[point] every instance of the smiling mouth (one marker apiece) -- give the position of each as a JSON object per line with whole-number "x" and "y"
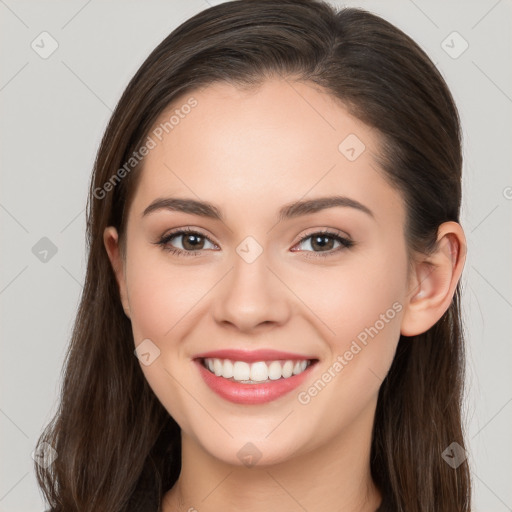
{"x": 258, "y": 372}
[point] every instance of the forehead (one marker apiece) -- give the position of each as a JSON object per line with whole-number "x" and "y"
{"x": 261, "y": 148}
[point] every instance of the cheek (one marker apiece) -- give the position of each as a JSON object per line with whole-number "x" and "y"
{"x": 161, "y": 297}
{"x": 358, "y": 312}
{"x": 160, "y": 294}
{"x": 354, "y": 294}
{"x": 357, "y": 308}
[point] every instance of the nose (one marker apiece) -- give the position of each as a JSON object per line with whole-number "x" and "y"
{"x": 252, "y": 297}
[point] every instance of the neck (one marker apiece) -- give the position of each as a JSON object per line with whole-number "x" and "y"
{"x": 335, "y": 476}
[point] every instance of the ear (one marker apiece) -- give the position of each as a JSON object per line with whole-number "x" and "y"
{"x": 111, "y": 241}
{"x": 433, "y": 281}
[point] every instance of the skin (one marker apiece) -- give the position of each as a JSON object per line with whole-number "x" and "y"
{"x": 250, "y": 153}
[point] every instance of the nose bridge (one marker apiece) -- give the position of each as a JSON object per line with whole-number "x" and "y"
{"x": 251, "y": 294}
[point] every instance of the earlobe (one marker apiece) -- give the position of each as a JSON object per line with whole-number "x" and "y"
{"x": 434, "y": 281}
{"x": 111, "y": 242}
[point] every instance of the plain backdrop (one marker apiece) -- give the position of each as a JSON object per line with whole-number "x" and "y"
{"x": 54, "y": 109}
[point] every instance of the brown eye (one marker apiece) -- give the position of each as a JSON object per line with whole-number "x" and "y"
{"x": 324, "y": 242}
{"x": 191, "y": 242}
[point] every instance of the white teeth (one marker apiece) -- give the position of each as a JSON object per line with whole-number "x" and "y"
{"x": 227, "y": 369}
{"x": 255, "y": 372}
{"x": 217, "y": 367}
{"x": 241, "y": 370}
{"x": 287, "y": 369}
{"x": 274, "y": 370}
{"x": 259, "y": 371}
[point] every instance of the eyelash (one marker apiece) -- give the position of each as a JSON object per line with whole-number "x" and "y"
{"x": 164, "y": 241}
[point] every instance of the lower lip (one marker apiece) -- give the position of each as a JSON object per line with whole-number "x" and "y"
{"x": 252, "y": 394}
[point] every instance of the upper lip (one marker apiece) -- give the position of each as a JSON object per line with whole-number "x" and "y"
{"x": 250, "y": 356}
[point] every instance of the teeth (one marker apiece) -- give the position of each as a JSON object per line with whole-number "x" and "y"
{"x": 227, "y": 369}
{"x": 217, "y": 367}
{"x": 241, "y": 370}
{"x": 260, "y": 371}
{"x": 274, "y": 370}
{"x": 288, "y": 369}
{"x": 297, "y": 368}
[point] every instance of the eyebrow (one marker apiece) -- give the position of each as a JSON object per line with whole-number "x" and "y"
{"x": 289, "y": 211}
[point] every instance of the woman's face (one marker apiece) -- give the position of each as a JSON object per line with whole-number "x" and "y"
{"x": 261, "y": 281}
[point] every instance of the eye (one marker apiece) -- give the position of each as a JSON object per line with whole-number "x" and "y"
{"x": 192, "y": 243}
{"x": 321, "y": 241}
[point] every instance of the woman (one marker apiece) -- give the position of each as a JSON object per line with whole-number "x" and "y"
{"x": 270, "y": 318}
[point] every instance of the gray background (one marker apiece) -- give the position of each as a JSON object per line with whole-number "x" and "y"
{"x": 54, "y": 112}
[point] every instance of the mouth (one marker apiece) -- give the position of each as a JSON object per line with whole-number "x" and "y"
{"x": 255, "y": 373}
{"x": 254, "y": 377}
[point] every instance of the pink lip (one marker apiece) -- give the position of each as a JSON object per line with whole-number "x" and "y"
{"x": 251, "y": 394}
{"x": 252, "y": 356}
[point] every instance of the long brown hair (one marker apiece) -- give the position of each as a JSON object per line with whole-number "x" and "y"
{"x": 117, "y": 448}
